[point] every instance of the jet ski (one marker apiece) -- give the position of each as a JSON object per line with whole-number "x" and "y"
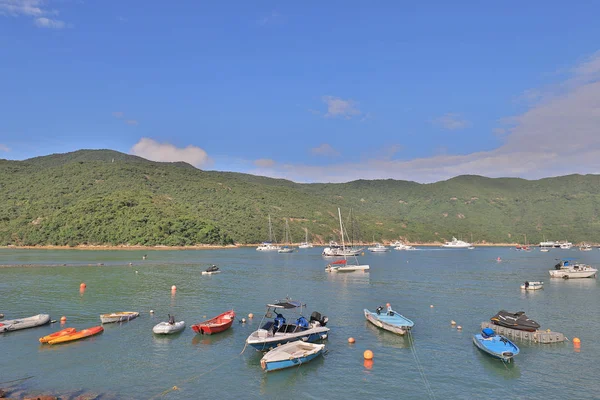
{"x": 517, "y": 320}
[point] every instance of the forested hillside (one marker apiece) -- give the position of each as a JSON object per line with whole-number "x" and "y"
{"x": 107, "y": 197}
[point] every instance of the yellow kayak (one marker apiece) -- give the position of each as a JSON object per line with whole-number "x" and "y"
{"x": 77, "y": 335}
{"x": 66, "y": 331}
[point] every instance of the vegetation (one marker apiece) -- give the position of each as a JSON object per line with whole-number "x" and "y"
{"x": 107, "y": 197}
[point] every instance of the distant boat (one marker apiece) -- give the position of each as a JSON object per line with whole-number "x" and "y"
{"x": 118, "y": 316}
{"x": 516, "y": 320}
{"x": 495, "y": 345}
{"x": 585, "y": 247}
{"x": 217, "y": 324}
{"x": 378, "y": 248}
{"x": 291, "y": 354}
{"x": 213, "y": 269}
{"x": 389, "y": 320}
{"x": 398, "y": 245}
{"x": 532, "y": 285}
{"x": 24, "y": 323}
{"x": 269, "y": 246}
{"x": 170, "y": 327}
{"x": 342, "y": 265}
{"x": 305, "y": 244}
{"x": 456, "y": 244}
{"x": 567, "y": 269}
{"x": 288, "y": 239}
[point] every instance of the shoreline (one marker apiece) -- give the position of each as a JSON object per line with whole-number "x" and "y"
{"x": 217, "y": 247}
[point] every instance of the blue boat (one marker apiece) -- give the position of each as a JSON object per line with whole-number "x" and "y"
{"x": 390, "y": 320}
{"x": 291, "y": 354}
{"x": 275, "y": 330}
{"x": 495, "y": 345}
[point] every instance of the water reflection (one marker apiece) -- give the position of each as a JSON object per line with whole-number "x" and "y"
{"x": 282, "y": 381}
{"x": 388, "y": 339}
{"x": 200, "y": 339}
{"x": 498, "y": 367}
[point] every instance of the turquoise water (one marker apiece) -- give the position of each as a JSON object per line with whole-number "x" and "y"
{"x": 128, "y": 361}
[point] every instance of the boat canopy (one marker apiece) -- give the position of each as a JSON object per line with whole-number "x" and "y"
{"x": 287, "y": 304}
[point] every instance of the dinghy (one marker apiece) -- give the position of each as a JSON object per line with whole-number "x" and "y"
{"x": 211, "y": 270}
{"x": 82, "y": 334}
{"x": 167, "y": 328}
{"x": 495, "y": 345}
{"x": 215, "y": 325}
{"x": 118, "y": 316}
{"x": 290, "y": 355}
{"x": 390, "y": 320}
{"x": 66, "y": 331}
{"x": 517, "y": 320}
{"x": 24, "y": 323}
{"x": 532, "y": 285}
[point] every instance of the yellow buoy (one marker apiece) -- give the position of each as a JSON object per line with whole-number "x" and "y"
{"x": 351, "y": 340}
{"x": 368, "y": 355}
{"x": 250, "y": 315}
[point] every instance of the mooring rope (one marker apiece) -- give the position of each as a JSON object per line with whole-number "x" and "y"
{"x": 420, "y": 366}
{"x": 17, "y": 380}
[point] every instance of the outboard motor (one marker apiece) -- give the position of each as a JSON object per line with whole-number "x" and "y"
{"x": 316, "y": 317}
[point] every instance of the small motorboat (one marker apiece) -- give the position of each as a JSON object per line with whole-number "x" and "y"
{"x": 66, "y": 331}
{"x": 495, "y": 345}
{"x": 532, "y": 285}
{"x": 390, "y": 320}
{"x": 82, "y": 334}
{"x": 215, "y": 325}
{"x": 167, "y": 328}
{"x": 516, "y": 320}
{"x": 291, "y": 354}
{"x": 24, "y": 323}
{"x": 567, "y": 268}
{"x": 118, "y": 316}
{"x": 213, "y": 269}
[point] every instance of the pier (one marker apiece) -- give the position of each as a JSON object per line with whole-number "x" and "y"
{"x": 536, "y": 337}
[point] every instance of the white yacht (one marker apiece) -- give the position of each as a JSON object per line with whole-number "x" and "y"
{"x": 585, "y": 247}
{"x": 306, "y": 244}
{"x": 269, "y": 246}
{"x": 337, "y": 250}
{"x": 378, "y": 248}
{"x": 566, "y": 245}
{"x": 456, "y": 244}
{"x": 567, "y": 269}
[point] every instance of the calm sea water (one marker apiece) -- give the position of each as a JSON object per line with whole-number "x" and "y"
{"x": 128, "y": 361}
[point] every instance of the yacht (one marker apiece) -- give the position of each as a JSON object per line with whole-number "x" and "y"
{"x": 337, "y": 250}
{"x": 585, "y": 247}
{"x": 269, "y": 246}
{"x": 403, "y": 246}
{"x": 567, "y": 269}
{"x": 565, "y": 245}
{"x": 456, "y": 244}
{"x": 378, "y": 248}
{"x": 306, "y": 244}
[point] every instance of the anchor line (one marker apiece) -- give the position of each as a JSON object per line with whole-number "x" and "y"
{"x": 420, "y": 368}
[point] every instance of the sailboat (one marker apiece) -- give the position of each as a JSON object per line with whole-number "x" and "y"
{"x": 342, "y": 265}
{"x": 288, "y": 239}
{"x": 471, "y": 247}
{"x": 269, "y": 246}
{"x": 305, "y": 244}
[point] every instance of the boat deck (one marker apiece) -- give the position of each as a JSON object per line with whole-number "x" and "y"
{"x": 536, "y": 337}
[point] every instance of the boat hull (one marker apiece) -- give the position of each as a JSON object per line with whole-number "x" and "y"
{"x": 396, "y": 324}
{"x": 118, "y": 317}
{"x": 63, "y": 332}
{"x": 566, "y": 274}
{"x": 263, "y": 340}
{"x": 164, "y": 328}
{"x": 82, "y": 334}
{"x": 497, "y": 346}
{"x": 533, "y": 286}
{"x": 10, "y": 325}
{"x": 291, "y": 355}
{"x": 217, "y": 324}
{"x": 210, "y": 272}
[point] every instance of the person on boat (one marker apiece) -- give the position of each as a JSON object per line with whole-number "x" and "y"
{"x": 526, "y": 284}
{"x": 379, "y": 310}
{"x": 302, "y": 322}
{"x": 278, "y": 323}
{"x": 390, "y": 312}
{"x": 171, "y": 319}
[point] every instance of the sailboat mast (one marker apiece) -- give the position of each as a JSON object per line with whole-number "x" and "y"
{"x": 270, "y": 230}
{"x": 342, "y": 231}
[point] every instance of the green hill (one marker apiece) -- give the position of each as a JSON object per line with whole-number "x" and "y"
{"x": 107, "y": 197}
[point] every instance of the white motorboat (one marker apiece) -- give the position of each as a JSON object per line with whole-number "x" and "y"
{"x": 532, "y": 285}
{"x": 566, "y": 245}
{"x": 378, "y": 248}
{"x": 585, "y": 247}
{"x": 402, "y": 246}
{"x": 567, "y": 269}
{"x": 286, "y": 249}
{"x": 269, "y": 246}
{"x": 456, "y": 244}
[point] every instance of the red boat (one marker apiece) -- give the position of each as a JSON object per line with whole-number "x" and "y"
{"x": 215, "y": 325}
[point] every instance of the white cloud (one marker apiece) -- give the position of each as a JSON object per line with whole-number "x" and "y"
{"x": 325, "y": 150}
{"x": 264, "y": 163}
{"x": 558, "y": 134}
{"x": 166, "y": 152}
{"x": 118, "y": 114}
{"x": 32, "y": 8}
{"x": 452, "y": 122}
{"x": 337, "y": 107}
{"x": 44, "y": 22}
{"x": 4, "y": 148}
{"x": 131, "y": 122}
{"x": 273, "y": 17}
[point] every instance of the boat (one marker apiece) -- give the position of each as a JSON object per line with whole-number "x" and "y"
{"x": 495, "y": 345}
{"x": 288, "y": 239}
{"x": 567, "y": 269}
{"x": 213, "y": 269}
{"x": 342, "y": 265}
{"x": 10, "y": 325}
{"x": 291, "y": 354}
{"x": 217, "y": 324}
{"x": 532, "y": 285}
{"x": 378, "y": 248}
{"x": 565, "y": 245}
{"x": 544, "y": 249}
{"x": 397, "y": 245}
{"x": 167, "y": 328}
{"x": 390, "y": 320}
{"x": 82, "y": 334}
{"x": 516, "y": 320}
{"x": 62, "y": 332}
{"x": 121, "y": 316}
{"x": 275, "y": 330}
{"x": 585, "y": 247}
{"x": 306, "y": 244}
{"x": 456, "y": 244}
{"x": 268, "y": 246}
{"x": 337, "y": 250}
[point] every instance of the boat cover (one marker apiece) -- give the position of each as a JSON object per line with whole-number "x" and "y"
{"x": 516, "y": 320}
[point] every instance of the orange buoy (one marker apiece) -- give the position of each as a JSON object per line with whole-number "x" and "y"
{"x": 250, "y": 315}
{"x": 351, "y": 340}
{"x": 368, "y": 355}
{"x": 368, "y": 364}
{"x": 576, "y": 340}
{"x": 173, "y": 288}
{"x": 82, "y": 285}
{"x": 63, "y": 319}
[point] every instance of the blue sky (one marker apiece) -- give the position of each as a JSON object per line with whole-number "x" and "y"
{"x": 309, "y": 91}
